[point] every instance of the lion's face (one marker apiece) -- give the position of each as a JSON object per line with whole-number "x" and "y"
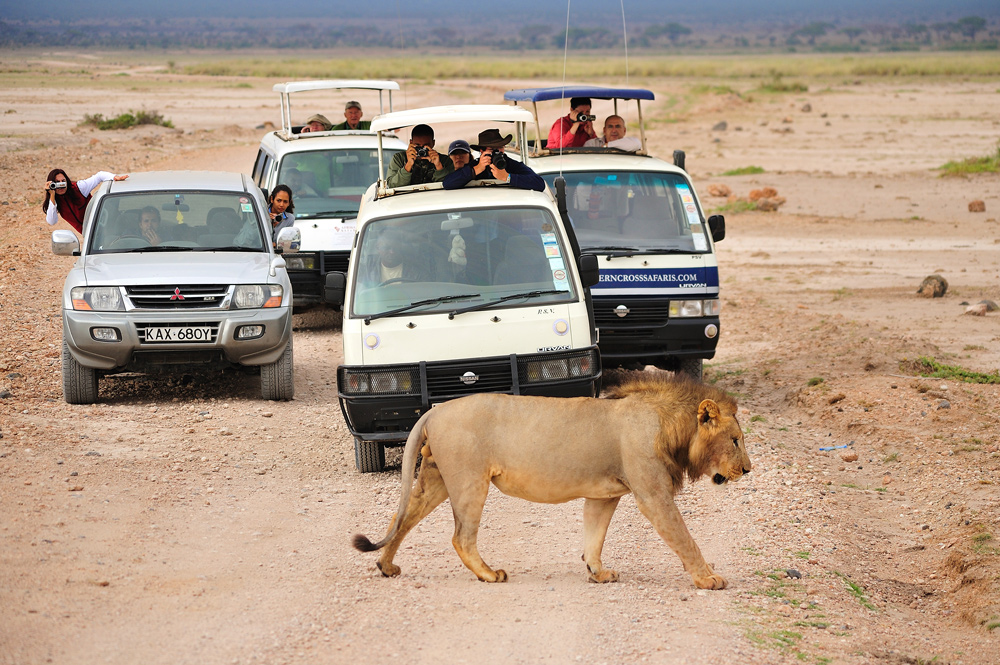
{"x": 720, "y": 451}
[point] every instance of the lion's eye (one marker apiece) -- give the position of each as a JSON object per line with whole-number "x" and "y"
{"x": 736, "y": 442}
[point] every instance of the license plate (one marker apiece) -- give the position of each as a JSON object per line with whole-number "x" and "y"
{"x": 178, "y": 334}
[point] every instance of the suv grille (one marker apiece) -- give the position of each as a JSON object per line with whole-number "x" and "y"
{"x": 187, "y": 296}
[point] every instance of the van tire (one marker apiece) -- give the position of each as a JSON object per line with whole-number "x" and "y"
{"x": 277, "y": 380}
{"x": 693, "y": 367}
{"x": 369, "y": 456}
{"x": 79, "y": 382}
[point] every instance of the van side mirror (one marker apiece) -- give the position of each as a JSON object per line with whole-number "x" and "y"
{"x": 65, "y": 243}
{"x": 289, "y": 239}
{"x": 717, "y": 226}
{"x": 590, "y": 271}
{"x": 336, "y": 287}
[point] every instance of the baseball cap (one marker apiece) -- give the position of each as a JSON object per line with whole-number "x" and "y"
{"x": 353, "y": 105}
{"x": 459, "y": 144}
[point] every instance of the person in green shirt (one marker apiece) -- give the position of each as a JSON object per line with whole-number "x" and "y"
{"x": 421, "y": 163}
{"x": 352, "y": 115}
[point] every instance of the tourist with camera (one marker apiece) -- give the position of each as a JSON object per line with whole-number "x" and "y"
{"x": 494, "y": 165}
{"x": 421, "y": 163}
{"x": 574, "y": 129}
{"x": 69, "y": 199}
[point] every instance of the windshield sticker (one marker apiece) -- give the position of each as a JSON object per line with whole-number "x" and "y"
{"x": 552, "y": 251}
{"x": 699, "y": 241}
{"x": 612, "y": 178}
{"x": 557, "y": 264}
{"x": 549, "y": 239}
{"x": 559, "y": 275}
{"x": 246, "y": 207}
{"x": 244, "y": 199}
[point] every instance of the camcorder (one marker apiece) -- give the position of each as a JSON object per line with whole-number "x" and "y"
{"x": 422, "y": 151}
{"x": 57, "y": 185}
{"x": 583, "y": 117}
{"x": 497, "y": 158}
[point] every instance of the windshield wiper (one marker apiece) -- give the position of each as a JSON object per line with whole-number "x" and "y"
{"x": 347, "y": 214}
{"x": 228, "y": 248}
{"x": 157, "y": 248}
{"x": 516, "y": 296}
{"x": 661, "y": 250}
{"x": 419, "y": 303}
{"x": 608, "y": 248}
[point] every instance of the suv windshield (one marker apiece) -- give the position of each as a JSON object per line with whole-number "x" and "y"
{"x": 176, "y": 221}
{"x": 445, "y": 261}
{"x": 633, "y": 210}
{"x": 330, "y": 183}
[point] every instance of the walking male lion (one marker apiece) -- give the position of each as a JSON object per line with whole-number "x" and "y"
{"x": 644, "y": 439}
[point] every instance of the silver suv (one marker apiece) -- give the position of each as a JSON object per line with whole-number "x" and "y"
{"x": 176, "y": 268}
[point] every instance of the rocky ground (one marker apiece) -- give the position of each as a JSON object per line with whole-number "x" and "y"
{"x": 187, "y": 521}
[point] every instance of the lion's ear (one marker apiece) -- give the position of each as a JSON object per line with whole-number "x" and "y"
{"x": 708, "y": 410}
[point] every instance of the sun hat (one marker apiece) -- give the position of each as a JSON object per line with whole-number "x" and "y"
{"x": 491, "y": 138}
{"x": 321, "y": 119}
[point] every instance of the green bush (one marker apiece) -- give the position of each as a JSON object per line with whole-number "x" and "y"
{"x": 126, "y": 120}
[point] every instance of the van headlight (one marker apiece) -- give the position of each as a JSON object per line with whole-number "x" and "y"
{"x": 687, "y": 309}
{"x": 403, "y": 381}
{"x": 97, "y": 298}
{"x": 541, "y": 370}
{"x": 250, "y": 296}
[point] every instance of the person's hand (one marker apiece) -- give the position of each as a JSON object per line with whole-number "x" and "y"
{"x": 119, "y": 178}
{"x": 499, "y": 174}
{"x": 434, "y": 158}
{"x": 51, "y": 193}
{"x": 485, "y": 160}
{"x": 411, "y": 157}
{"x": 305, "y": 130}
{"x": 588, "y": 127}
{"x": 151, "y": 236}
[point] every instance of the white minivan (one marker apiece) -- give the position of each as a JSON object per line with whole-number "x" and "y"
{"x": 330, "y": 172}
{"x": 484, "y": 292}
{"x": 657, "y": 302}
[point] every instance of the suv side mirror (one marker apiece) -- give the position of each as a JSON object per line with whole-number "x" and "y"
{"x": 65, "y": 243}
{"x": 289, "y": 239}
{"x": 717, "y": 226}
{"x": 336, "y": 286}
{"x": 590, "y": 271}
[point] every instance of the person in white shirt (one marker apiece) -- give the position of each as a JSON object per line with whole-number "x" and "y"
{"x": 69, "y": 199}
{"x": 614, "y": 136}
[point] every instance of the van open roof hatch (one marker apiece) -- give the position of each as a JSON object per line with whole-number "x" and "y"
{"x": 286, "y": 89}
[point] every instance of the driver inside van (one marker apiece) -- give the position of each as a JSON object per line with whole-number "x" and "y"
{"x": 391, "y": 262}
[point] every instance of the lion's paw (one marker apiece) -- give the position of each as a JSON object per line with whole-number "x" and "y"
{"x": 388, "y": 569}
{"x": 603, "y": 577}
{"x": 712, "y": 581}
{"x": 499, "y": 574}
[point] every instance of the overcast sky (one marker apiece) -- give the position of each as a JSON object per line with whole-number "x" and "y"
{"x": 582, "y": 12}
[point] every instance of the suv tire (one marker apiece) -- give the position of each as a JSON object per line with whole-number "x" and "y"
{"x": 369, "y": 456}
{"x": 693, "y": 367}
{"x": 79, "y": 382}
{"x": 277, "y": 380}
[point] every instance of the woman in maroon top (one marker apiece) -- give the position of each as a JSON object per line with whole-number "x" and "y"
{"x": 69, "y": 199}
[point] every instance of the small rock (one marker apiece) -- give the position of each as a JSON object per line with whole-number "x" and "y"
{"x": 4, "y": 394}
{"x": 979, "y": 309}
{"x": 839, "y": 397}
{"x": 721, "y": 191}
{"x": 944, "y": 404}
{"x": 807, "y": 107}
{"x": 684, "y": 596}
{"x": 75, "y": 488}
{"x": 793, "y": 574}
{"x": 720, "y": 126}
{"x": 849, "y": 457}
{"x": 990, "y": 305}
{"x": 933, "y": 286}
{"x": 977, "y": 206}
{"x": 267, "y": 414}
{"x": 14, "y": 375}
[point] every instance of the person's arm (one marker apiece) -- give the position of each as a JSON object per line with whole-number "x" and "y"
{"x": 459, "y": 178}
{"x": 88, "y": 185}
{"x": 51, "y": 215}
{"x": 558, "y": 134}
{"x": 398, "y": 176}
{"x": 523, "y": 177}
{"x": 447, "y": 167}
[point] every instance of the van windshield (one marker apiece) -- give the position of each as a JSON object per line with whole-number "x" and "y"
{"x": 455, "y": 259}
{"x": 164, "y": 221}
{"x": 643, "y": 210}
{"x": 330, "y": 183}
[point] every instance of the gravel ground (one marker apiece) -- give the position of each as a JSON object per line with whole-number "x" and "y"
{"x": 184, "y": 520}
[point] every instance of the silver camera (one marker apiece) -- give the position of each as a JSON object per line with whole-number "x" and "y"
{"x": 58, "y": 185}
{"x": 583, "y": 117}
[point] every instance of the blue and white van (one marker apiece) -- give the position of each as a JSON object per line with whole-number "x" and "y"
{"x": 657, "y": 302}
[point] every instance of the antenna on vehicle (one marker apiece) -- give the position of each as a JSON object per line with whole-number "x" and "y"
{"x": 625, "y": 36}
{"x": 565, "y": 52}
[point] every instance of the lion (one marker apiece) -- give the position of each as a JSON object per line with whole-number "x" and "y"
{"x": 643, "y": 440}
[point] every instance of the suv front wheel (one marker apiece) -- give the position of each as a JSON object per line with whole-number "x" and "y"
{"x": 277, "y": 380}
{"x": 79, "y": 382}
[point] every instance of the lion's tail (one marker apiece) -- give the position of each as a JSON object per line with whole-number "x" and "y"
{"x": 414, "y": 442}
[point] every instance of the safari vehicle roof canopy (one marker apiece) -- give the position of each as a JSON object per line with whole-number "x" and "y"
{"x": 535, "y": 95}
{"x": 437, "y": 115}
{"x": 286, "y": 89}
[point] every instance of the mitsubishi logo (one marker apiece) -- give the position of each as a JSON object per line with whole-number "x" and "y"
{"x": 469, "y": 378}
{"x": 622, "y": 311}
{"x": 177, "y": 294}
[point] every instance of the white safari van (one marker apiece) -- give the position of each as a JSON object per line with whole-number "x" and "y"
{"x": 657, "y": 302}
{"x": 484, "y": 292}
{"x": 330, "y": 172}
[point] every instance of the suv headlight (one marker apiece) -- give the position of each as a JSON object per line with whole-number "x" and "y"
{"x": 687, "y": 309}
{"x": 250, "y": 296}
{"x": 300, "y": 261}
{"x": 97, "y": 298}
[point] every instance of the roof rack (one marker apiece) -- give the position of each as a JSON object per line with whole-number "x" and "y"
{"x": 535, "y": 95}
{"x": 286, "y": 89}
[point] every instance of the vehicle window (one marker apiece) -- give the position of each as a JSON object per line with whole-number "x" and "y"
{"x": 186, "y": 221}
{"x": 487, "y": 253}
{"x": 330, "y": 183}
{"x": 645, "y": 210}
{"x": 258, "y": 168}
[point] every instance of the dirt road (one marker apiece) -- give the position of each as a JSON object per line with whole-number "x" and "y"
{"x": 191, "y": 522}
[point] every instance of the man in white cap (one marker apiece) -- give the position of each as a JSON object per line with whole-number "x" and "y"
{"x": 352, "y": 115}
{"x": 493, "y": 164}
{"x": 460, "y": 153}
{"x": 316, "y": 123}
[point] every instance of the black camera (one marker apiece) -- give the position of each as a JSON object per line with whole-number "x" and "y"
{"x": 499, "y": 160}
{"x": 583, "y": 117}
{"x": 422, "y": 151}
{"x": 58, "y": 185}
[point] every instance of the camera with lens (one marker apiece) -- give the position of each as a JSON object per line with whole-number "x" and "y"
{"x": 422, "y": 151}
{"x": 499, "y": 160}
{"x": 583, "y": 117}
{"x": 58, "y": 185}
